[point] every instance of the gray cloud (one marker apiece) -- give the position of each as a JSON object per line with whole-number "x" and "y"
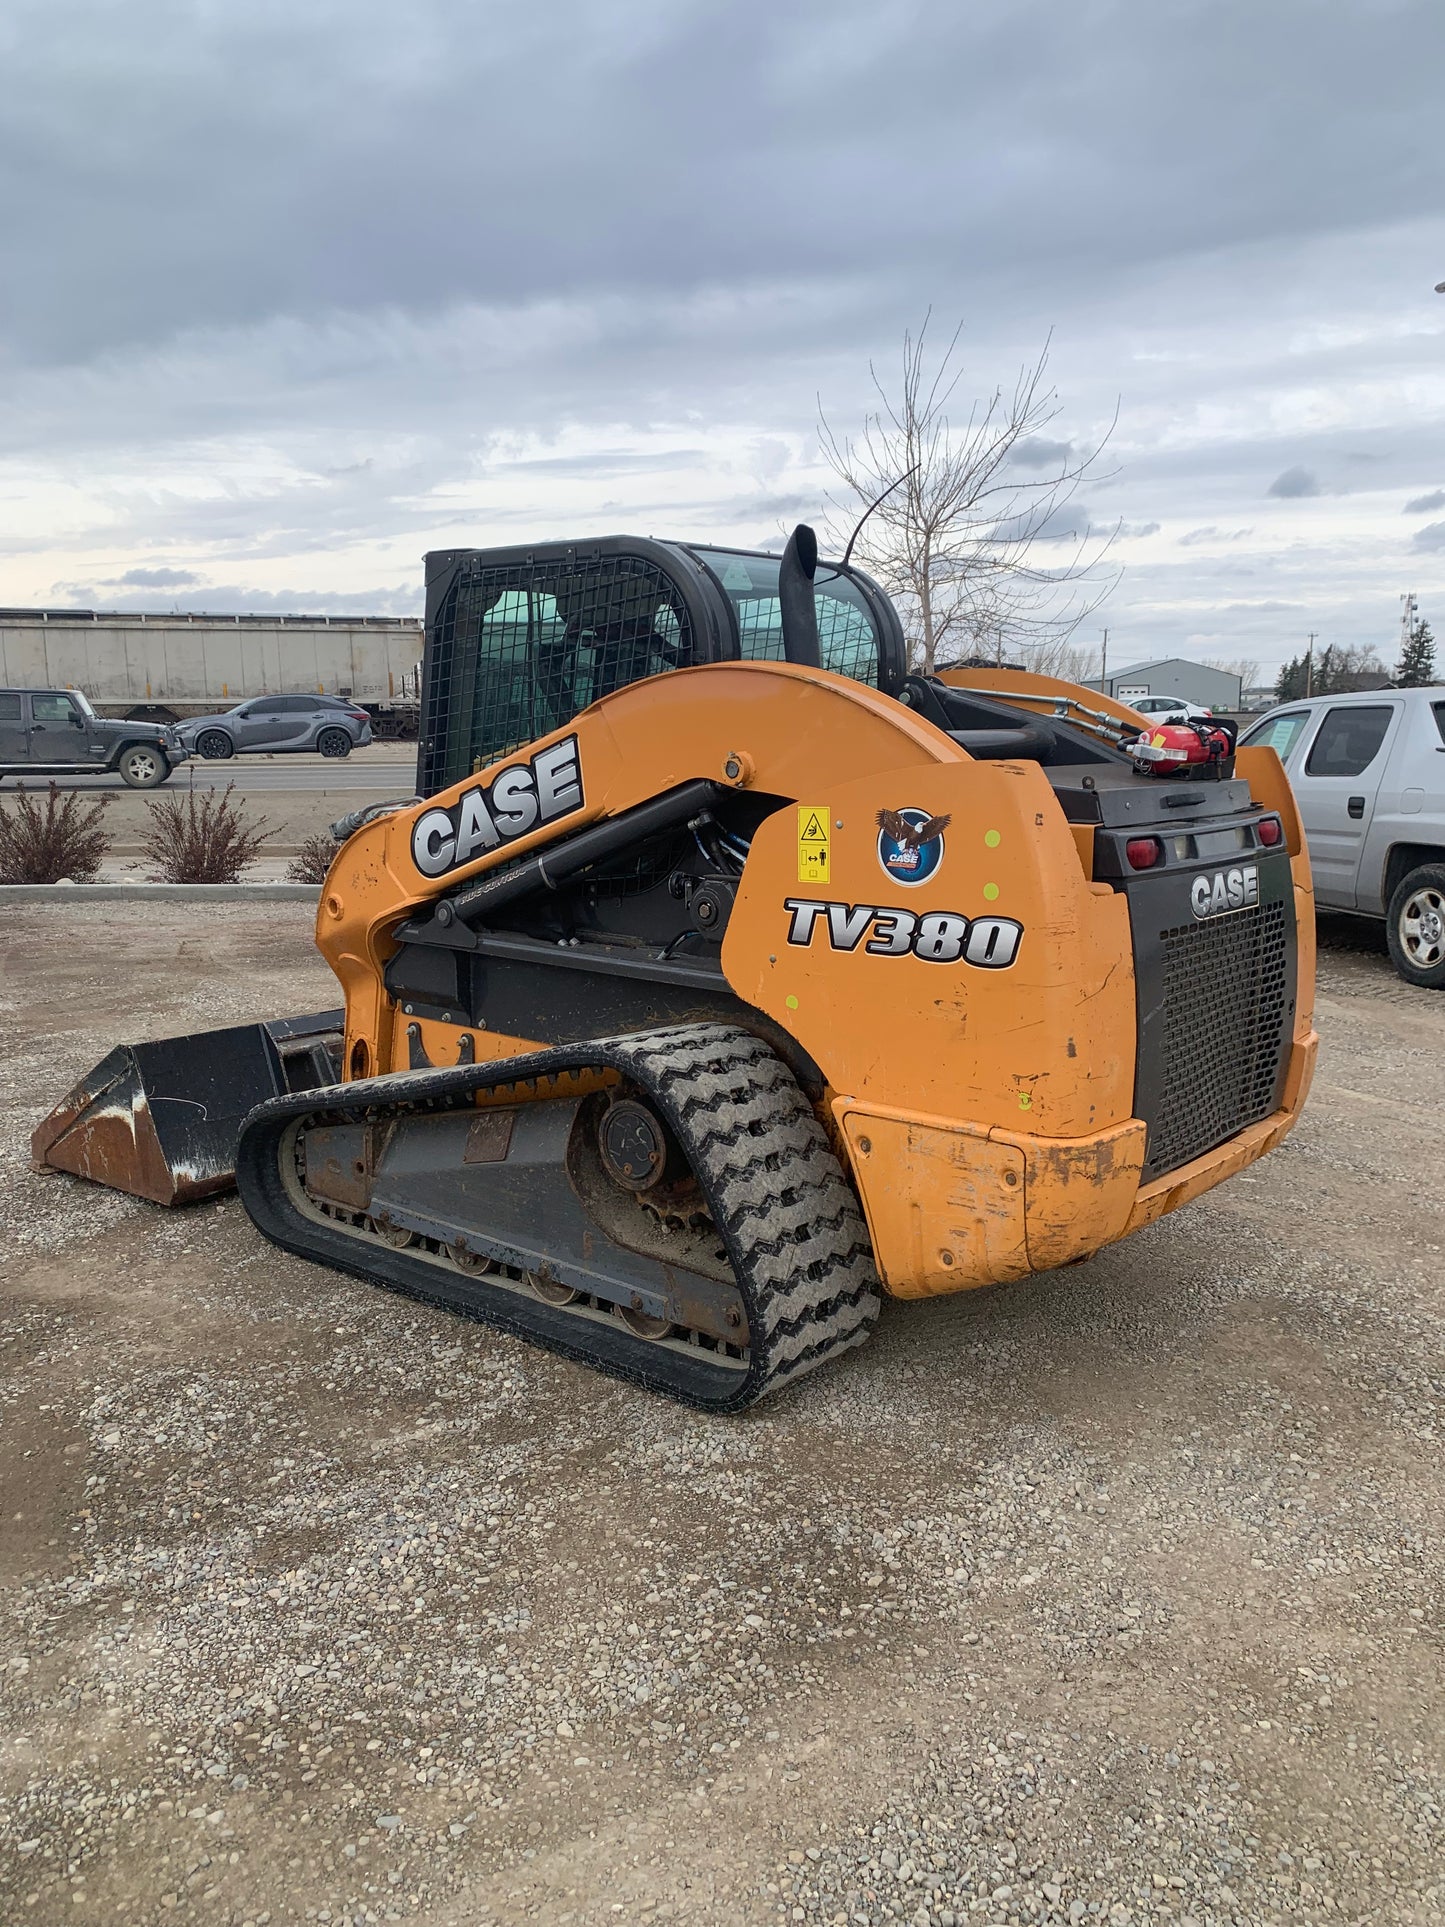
{"x": 222, "y": 599}
{"x": 1293, "y": 483}
{"x": 1430, "y": 539}
{"x": 340, "y": 285}
{"x": 154, "y": 579}
{"x": 606, "y": 461}
{"x": 1422, "y": 504}
{"x": 1036, "y": 451}
{"x": 1199, "y": 537}
{"x": 329, "y": 170}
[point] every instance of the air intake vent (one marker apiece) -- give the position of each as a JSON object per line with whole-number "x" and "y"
{"x": 1222, "y": 1028}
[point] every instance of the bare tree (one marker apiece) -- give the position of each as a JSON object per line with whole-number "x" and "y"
{"x": 964, "y": 522}
{"x": 1247, "y": 672}
{"x": 1058, "y": 656}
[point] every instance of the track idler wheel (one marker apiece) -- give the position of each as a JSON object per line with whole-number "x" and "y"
{"x": 638, "y": 1151}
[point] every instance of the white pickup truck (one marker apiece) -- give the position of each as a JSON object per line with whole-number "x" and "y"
{"x": 1369, "y": 776}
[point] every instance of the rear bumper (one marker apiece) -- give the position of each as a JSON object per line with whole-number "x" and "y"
{"x": 1178, "y": 1187}
{"x": 952, "y": 1207}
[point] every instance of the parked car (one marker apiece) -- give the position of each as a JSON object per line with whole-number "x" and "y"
{"x": 1368, "y": 773}
{"x": 55, "y": 732}
{"x": 278, "y": 723}
{"x": 1169, "y": 709}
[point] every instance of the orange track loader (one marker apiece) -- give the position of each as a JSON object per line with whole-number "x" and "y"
{"x": 725, "y": 975}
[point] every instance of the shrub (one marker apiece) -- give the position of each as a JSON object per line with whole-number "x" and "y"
{"x": 46, "y": 844}
{"x": 312, "y": 860}
{"x": 202, "y": 839}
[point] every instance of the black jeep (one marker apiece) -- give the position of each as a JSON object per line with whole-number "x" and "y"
{"x": 55, "y": 732}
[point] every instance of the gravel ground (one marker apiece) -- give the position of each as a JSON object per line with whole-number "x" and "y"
{"x": 1115, "y": 1597}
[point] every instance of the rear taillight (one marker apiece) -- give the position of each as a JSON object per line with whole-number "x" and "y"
{"x": 358, "y": 715}
{"x": 1271, "y": 831}
{"x": 1143, "y": 852}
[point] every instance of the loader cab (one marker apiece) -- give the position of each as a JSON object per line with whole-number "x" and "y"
{"x": 519, "y": 640}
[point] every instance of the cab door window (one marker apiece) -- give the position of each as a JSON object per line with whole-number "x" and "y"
{"x": 1348, "y": 740}
{"x": 14, "y": 735}
{"x": 1280, "y": 733}
{"x": 53, "y": 707}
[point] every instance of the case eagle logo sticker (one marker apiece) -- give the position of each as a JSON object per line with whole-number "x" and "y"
{"x": 910, "y": 844}
{"x": 812, "y": 843}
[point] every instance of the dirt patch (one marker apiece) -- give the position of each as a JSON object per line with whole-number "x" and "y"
{"x": 1114, "y": 1597}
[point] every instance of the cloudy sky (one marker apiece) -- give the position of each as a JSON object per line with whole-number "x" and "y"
{"x": 295, "y": 291}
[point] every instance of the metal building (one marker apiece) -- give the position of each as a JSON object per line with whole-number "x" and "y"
{"x": 1196, "y": 682}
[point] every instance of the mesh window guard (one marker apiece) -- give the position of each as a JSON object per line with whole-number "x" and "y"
{"x": 520, "y": 648}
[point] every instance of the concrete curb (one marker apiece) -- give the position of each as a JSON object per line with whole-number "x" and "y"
{"x": 157, "y": 893}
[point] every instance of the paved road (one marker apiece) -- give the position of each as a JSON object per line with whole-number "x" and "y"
{"x": 381, "y": 772}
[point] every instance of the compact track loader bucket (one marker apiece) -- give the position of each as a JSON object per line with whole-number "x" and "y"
{"x": 161, "y": 1120}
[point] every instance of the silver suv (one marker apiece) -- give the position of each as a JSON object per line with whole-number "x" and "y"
{"x": 1368, "y": 773}
{"x": 276, "y": 723}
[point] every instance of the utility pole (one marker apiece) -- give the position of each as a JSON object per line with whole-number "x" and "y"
{"x": 1407, "y": 619}
{"x": 1104, "y": 666}
{"x": 1310, "y": 664}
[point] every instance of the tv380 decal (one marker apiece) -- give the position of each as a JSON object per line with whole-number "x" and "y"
{"x": 940, "y": 936}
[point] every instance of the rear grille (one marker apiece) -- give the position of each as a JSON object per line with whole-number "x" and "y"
{"x": 1226, "y": 988}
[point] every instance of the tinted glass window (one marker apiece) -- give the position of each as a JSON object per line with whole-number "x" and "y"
{"x": 846, "y": 636}
{"x": 1280, "y": 733}
{"x": 1348, "y": 741}
{"x": 1437, "y": 710}
{"x": 50, "y": 708}
{"x": 300, "y": 705}
{"x": 9, "y": 707}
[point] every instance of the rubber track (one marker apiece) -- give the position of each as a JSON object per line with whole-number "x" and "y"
{"x": 788, "y": 1218}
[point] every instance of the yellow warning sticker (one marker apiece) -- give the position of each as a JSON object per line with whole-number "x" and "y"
{"x": 812, "y": 843}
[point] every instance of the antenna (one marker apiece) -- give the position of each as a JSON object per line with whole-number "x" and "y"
{"x": 1407, "y": 617}
{"x": 870, "y": 508}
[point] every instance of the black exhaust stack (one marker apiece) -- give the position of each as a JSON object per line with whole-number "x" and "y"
{"x": 795, "y": 598}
